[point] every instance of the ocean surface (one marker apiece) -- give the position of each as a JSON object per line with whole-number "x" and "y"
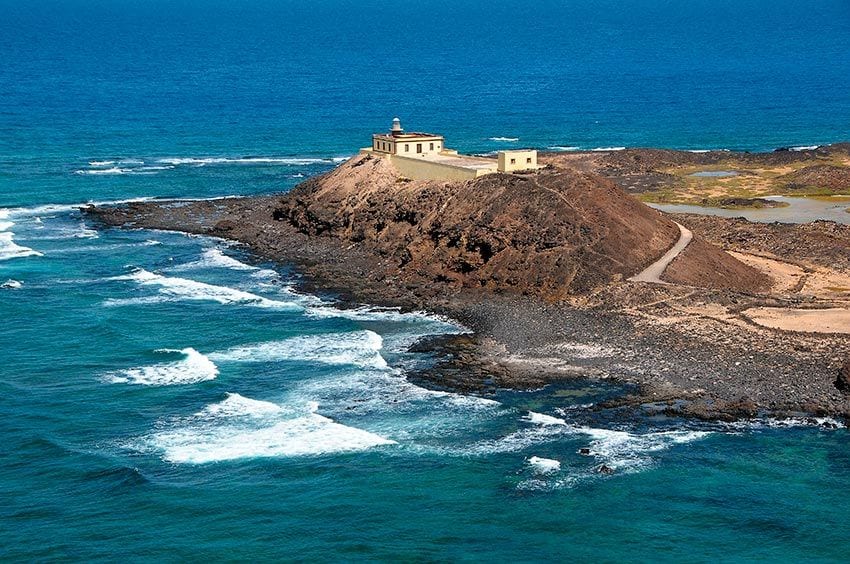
{"x": 166, "y": 397}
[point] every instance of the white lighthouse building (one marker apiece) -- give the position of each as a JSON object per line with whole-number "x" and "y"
{"x": 424, "y": 156}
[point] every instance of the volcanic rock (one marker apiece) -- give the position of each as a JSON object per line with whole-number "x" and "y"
{"x": 553, "y": 234}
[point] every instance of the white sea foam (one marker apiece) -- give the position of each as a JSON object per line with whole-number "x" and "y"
{"x": 619, "y": 450}
{"x": 104, "y": 171}
{"x": 246, "y": 428}
{"x": 370, "y": 314}
{"x": 518, "y": 440}
{"x": 622, "y": 450}
{"x": 145, "y": 300}
{"x": 542, "y": 419}
{"x": 194, "y": 368}
{"x": 101, "y": 163}
{"x": 285, "y": 161}
{"x": 358, "y": 348}
{"x": 544, "y": 465}
{"x": 236, "y": 405}
{"x": 185, "y": 289}
{"x": 5, "y": 225}
{"x": 699, "y": 150}
{"x": 805, "y": 148}
{"x": 773, "y": 423}
{"x": 81, "y": 231}
{"x": 215, "y": 258}
{"x": 101, "y": 248}
{"x": 10, "y": 250}
{"x": 562, "y": 148}
{"x": 11, "y": 284}
{"x": 49, "y": 209}
{"x": 265, "y": 274}
{"x": 505, "y": 139}
{"x": 152, "y": 169}
{"x": 602, "y": 149}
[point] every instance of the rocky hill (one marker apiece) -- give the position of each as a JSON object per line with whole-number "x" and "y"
{"x": 554, "y": 233}
{"x": 824, "y": 176}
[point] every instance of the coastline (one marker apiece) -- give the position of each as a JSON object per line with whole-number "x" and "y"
{"x": 704, "y": 368}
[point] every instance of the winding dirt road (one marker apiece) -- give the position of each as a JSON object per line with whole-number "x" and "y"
{"x": 654, "y": 271}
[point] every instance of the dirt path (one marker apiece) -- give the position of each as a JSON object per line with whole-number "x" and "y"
{"x": 653, "y": 272}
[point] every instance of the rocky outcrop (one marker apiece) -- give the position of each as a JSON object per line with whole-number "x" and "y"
{"x": 842, "y": 382}
{"x": 822, "y": 177}
{"x": 554, "y": 233}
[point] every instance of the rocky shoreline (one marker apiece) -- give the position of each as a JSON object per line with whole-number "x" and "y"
{"x": 683, "y": 350}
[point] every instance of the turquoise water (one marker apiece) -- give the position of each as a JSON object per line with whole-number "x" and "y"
{"x": 168, "y": 397}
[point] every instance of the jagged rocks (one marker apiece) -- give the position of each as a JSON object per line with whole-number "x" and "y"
{"x": 842, "y": 381}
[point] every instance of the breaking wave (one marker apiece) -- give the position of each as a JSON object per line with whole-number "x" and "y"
{"x": 9, "y": 250}
{"x": 215, "y": 258}
{"x": 562, "y": 148}
{"x": 371, "y": 314}
{"x": 601, "y": 149}
{"x": 544, "y": 465}
{"x": 619, "y": 450}
{"x": 624, "y": 451}
{"x": 359, "y": 348}
{"x": 284, "y": 161}
{"x": 104, "y": 171}
{"x": 48, "y": 209}
{"x": 242, "y": 428}
{"x": 542, "y": 419}
{"x": 505, "y": 139}
{"x": 138, "y": 167}
{"x": 192, "y": 369}
{"x": 805, "y": 148}
{"x": 175, "y": 289}
{"x": 235, "y": 405}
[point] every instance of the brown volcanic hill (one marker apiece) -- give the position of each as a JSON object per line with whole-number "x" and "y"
{"x": 554, "y": 233}
{"x": 830, "y": 177}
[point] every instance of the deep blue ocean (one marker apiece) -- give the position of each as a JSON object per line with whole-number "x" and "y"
{"x": 165, "y": 397}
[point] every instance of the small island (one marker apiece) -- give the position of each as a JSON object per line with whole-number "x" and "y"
{"x": 561, "y": 270}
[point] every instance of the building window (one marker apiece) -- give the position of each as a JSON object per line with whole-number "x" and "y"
{"x": 406, "y": 148}
{"x": 528, "y": 160}
{"x": 513, "y": 161}
{"x": 419, "y": 147}
{"x": 432, "y": 146}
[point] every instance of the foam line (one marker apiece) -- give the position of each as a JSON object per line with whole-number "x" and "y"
{"x": 9, "y": 250}
{"x": 215, "y": 258}
{"x": 193, "y": 368}
{"x": 242, "y": 428}
{"x": 358, "y": 348}
{"x": 185, "y": 289}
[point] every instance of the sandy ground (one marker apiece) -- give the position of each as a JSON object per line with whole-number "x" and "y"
{"x": 833, "y": 320}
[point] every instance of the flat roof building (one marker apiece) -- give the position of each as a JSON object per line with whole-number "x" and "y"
{"x": 424, "y": 156}
{"x": 397, "y": 142}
